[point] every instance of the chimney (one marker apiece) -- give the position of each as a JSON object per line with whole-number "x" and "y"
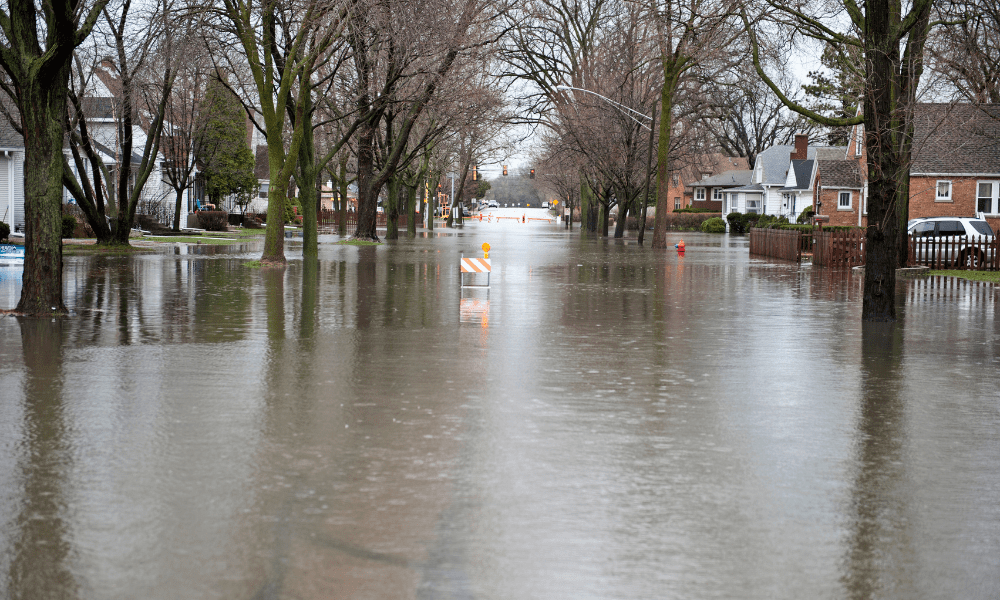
{"x": 801, "y": 146}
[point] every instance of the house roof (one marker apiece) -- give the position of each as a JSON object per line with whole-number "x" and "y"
{"x": 727, "y": 179}
{"x": 756, "y": 187}
{"x": 956, "y": 138}
{"x": 775, "y": 160}
{"x": 803, "y": 170}
{"x": 839, "y": 174}
{"x": 713, "y": 163}
{"x": 9, "y": 137}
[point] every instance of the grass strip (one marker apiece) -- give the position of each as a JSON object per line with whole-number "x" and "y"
{"x": 989, "y": 276}
{"x": 358, "y": 243}
{"x": 193, "y": 240}
{"x": 102, "y": 250}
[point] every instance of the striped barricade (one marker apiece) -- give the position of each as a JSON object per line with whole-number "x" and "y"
{"x": 475, "y": 265}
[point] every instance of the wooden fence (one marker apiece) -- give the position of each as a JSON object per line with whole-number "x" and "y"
{"x": 839, "y": 248}
{"x": 976, "y": 253}
{"x": 847, "y": 249}
{"x": 776, "y": 243}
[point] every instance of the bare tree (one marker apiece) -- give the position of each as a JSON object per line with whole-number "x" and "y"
{"x": 891, "y": 38}
{"x": 283, "y": 43}
{"x": 125, "y": 49}
{"x": 402, "y": 52}
{"x": 741, "y": 114}
{"x": 966, "y": 50}
{"x": 183, "y": 142}
{"x": 36, "y": 53}
{"x": 690, "y": 33}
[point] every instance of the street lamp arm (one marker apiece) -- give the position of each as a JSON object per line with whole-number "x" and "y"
{"x": 612, "y": 102}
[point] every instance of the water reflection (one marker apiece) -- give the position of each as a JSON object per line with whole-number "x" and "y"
{"x": 41, "y": 547}
{"x": 879, "y": 553}
{"x": 602, "y": 422}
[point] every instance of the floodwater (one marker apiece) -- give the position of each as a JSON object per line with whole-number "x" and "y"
{"x": 603, "y": 422}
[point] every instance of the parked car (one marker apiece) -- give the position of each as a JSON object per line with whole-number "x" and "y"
{"x": 955, "y": 240}
{"x": 492, "y": 204}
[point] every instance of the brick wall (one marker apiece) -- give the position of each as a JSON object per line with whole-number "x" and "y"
{"x": 923, "y": 197}
{"x": 837, "y": 216}
{"x": 677, "y": 191}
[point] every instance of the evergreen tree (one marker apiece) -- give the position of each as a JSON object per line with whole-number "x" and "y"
{"x": 229, "y": 167}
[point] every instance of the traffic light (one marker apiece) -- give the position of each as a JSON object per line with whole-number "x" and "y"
{"x": 475, "y": 175}
{"x": 532, "y": 175}
{"x": 505, "y": 170}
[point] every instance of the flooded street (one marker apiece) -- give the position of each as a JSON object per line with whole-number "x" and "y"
{"x": 603, "y": 422}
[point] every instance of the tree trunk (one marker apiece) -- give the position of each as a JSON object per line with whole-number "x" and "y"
{"x": 277, "y": 192}
{"x": 623, "y": 212}
{"x": 177, "y": 208}
{"x": 342, "y": 181}
{"x": 881, "y": 119}
{"x": 662, "y": 158}
{"x": 411, "y": 211}
{"x": 367, "y": 194}
{"x": 392, "y": 208}
{"x": 308, "y": 178}
{"x": 41, "y": 291}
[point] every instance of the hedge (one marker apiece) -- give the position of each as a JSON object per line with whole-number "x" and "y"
{"x": 213, "y": 220}
{"x": 714, "y": 225}
{"x": 68, "y": 226}
{"x": 677, "y": 222}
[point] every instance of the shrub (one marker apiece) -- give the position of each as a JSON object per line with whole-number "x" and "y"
{"x": 794, "y": 227}
{"x": 249, "y": 222}
{"x": 68, "y": 226}
{"x": 213, "y": 220}
{"x": 806, "y": 214}
{"x": 688, "y": 221}
{"x": 738, "y": 222}
{"x": 692, "y": 209}
{"x": 4, "y": 231}
{"x": 714, "y": 225}
{"x": 769, "y": 221}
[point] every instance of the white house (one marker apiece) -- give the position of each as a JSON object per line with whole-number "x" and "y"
{"x": 783, "y": 180}
{"x": 11, "y": 177}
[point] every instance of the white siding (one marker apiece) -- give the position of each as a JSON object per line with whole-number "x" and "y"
{"x": 17, "y": 186}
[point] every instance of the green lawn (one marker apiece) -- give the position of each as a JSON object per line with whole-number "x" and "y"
{"x": 196, "y": 239}
{"x": 990, "y": 276}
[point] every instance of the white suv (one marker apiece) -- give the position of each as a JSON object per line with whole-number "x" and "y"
{"x": 952, "y": 240}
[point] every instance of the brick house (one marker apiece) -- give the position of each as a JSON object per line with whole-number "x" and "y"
{"x": 839, "y": 191}
{"x": 956, "y": 162}
{"x": 955, "y": 168}
{"x": 680, "y": 190}
{"x": 712, "y": 189}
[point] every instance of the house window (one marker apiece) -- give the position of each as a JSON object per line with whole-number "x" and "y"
{"x": 753, "y": 205}
{"x": 943, "y": 191}
{"x": 717, "y": 194}
{"x": 699, "y": 194}
{"x": 986, "y": 197}
{"x": 844, "y": 201}
{"x": 677, "y": 203}
{"x": 674, "y": 179}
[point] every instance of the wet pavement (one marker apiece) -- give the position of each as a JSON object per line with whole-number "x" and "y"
{"x": 604, "y": 422}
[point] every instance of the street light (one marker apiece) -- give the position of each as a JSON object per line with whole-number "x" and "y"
{"x": 612, "y": 102}
{"x": 649, "y": 152}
